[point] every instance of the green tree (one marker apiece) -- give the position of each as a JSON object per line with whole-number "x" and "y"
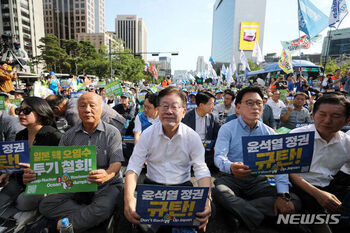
{"x": 253, "y": 66}
{"x": 330, "y": 67}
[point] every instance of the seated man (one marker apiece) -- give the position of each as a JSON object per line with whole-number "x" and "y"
{"x": 320, "y": 189}
{"x": 170, "y": 148}
{"x": 204, "y": 122}
{"x": 68, "y": 108}
{"x": 226, "y": 108}
{"x": 125, "y": 108}
{"x": 86, "y": 210}
{"x": 245, "y": 196}
{"x": 295, "y": 113}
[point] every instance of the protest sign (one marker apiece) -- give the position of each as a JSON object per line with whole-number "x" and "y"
{"x": 278, "y": 154}
{"x": 101, "y": 84}
{"x": 282, "y": 130}
{"x": 2, "y": 103}
{"x": 65, "y": 83}
{"x": 16, "y": 102}
{"x": 285, "y": 62}
{"x": 170, "y": 205}
{"x": 62, "y": 169}
{"x": 114, "y": 89}
{"x": 141, "y": 96}
{"x": 76, "y": 94}
{"x": 13, "y": 153}
{"x": 301, "y": 124}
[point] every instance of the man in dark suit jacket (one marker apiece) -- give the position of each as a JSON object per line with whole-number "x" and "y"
{"x": 204, "y": 123}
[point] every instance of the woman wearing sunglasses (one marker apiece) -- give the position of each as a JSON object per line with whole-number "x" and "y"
{"x": 36, "y": 115}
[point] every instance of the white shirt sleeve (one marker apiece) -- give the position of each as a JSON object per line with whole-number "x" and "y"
{"x": 197, "y": 152}
{"x": 138, "y": 127}
{"x": 139, "y": 155}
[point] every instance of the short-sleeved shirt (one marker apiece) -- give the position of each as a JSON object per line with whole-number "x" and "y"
{"x": 295, "y": 116}
{"x": 107, "y": 140}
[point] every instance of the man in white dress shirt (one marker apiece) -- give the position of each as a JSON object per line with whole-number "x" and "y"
{"x": 319, "y": 189}
{"x": 170, "y": 148}
{"x": 276, "y": 104}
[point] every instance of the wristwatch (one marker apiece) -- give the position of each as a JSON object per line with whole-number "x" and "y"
{"x": 210, "y": 198}
{"x": 285, "y": 196}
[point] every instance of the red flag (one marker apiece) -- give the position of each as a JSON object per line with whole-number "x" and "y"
{"x": 153, "y": 71}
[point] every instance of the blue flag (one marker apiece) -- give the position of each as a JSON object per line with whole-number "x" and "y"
{"x": 312, "y": 21}
{"x": 211, "y": 60}
{"x": 339, "y": 11}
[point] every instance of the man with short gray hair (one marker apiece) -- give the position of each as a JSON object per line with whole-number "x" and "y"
{"x": 86, "y": 210}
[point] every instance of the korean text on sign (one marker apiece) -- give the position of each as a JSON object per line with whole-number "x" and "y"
{"x": 169, "y": 205}
{"x": 62, "y": 169}
{"x": 13, "y": 153}
{"x": 278, "y": 154}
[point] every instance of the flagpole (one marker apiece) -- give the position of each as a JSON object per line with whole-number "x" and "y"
{"x": 327, "y": 50}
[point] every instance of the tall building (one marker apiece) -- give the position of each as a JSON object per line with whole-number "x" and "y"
{"x": 23, "y": 19}
{"x": 165, "y": 66}
{"x": 98, "y": 38}
{"x": 200, "y": 64}
{"x": 228, "y": 15}
{"x": 338, "y": 46}
{"x": 66, "y": 18}
{"x": 132, "y": 30}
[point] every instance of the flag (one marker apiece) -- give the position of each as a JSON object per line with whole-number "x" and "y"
{"x": 211, "y": 60}
{"x": 285, "y": 62}
{"x": 303, "y": 42}
{"x": 223, "y": 70}
{"x": 244, "y": 61}
{"x": 153, "y": 71}
{"x": 257, "y": 53}
{"x": 312, "y": 21}
{"x": 339, "y": 11}
{"x": 229, "y": 74}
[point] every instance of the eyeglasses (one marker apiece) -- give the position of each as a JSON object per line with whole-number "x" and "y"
{"x": 251, "y": 103}
{"x": 165, "y": 107}
{"x": 26, "y": 111}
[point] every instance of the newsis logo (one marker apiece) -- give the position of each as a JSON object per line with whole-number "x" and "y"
{"x": 308, "y": 219}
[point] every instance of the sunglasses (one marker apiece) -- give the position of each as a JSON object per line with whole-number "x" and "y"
{"x": 26, "y": 111}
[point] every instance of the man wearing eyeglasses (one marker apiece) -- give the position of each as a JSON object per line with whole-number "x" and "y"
{"x": 170, "y": 148}
{"x": 246, "y": 197}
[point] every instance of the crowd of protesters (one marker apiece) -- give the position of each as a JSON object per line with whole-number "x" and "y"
{"x": 169, "y": 124}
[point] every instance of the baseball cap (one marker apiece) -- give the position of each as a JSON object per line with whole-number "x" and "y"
{"x": 125, "y": 95}
{"x": 4, "y": 94}
{"x": 52, "y": 73}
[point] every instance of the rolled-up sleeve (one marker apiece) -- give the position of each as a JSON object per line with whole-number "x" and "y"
{"x": 222, "y": 147}
{"x": 282, "y": 182}
{"x": 139, "y": 155}
{"x": 197, "y": 152}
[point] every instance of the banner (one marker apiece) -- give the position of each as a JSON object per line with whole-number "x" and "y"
{"x": 250, "y": 31}
{"x": 170, "y": 205}
{"x": 76, "y": 94}
{"x": 2, "y": 103}
{"x": 278, "y": 154}
{"x": 16, "y": 102}
{"x": 285, "y": 62}
{"x": 114, "y": 89}
{"x": 62, "y": 169}
{"x": 11, "y": 154}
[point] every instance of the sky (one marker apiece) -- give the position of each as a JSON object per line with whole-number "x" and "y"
{"x": 185, "y": 26}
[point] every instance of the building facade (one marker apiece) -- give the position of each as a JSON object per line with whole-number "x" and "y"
{"x": 165, "y": 66}
{"x": 67, "y": 18}
{"x": 98, "y": 38}
{"x": 133, "y": 31}
{"x": 201, "y": 65}
{"x": 227, "y": 18}
{"x": 24, "y": 21}
{"x": 338, "y": 47}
